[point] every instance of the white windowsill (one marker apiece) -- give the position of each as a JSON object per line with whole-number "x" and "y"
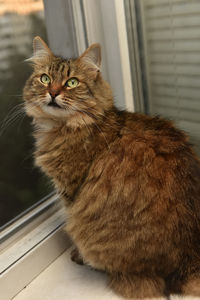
{"x": 25, "y": 258}
{"x": 64, "y": 279}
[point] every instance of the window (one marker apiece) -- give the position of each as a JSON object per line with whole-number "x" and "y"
{"x": 21, "y": 185}
{"x": 150, "y": 56}
{"x": 167, "y": 35}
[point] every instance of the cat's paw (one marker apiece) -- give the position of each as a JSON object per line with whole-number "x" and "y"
{"x": 76, "y": 257}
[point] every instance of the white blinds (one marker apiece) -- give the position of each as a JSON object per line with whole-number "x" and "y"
{"x": 171, "y": 32}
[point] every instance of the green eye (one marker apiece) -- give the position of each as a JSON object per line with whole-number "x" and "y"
{"x": 45, "y": 79}
{"x": 72, "y": 82}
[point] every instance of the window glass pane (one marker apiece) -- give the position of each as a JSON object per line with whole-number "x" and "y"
{"x": 21, "y": 184}
{"x": 169, "y": 45}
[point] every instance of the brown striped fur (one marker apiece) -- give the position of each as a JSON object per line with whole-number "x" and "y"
{"x": 131, "y": 182}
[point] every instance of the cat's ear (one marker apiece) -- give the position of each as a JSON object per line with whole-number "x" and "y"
{"x": 41, "y": 51}
{"x": 92, "y": 57}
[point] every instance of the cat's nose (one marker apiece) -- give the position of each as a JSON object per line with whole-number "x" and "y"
{"x": 53, "y": 94}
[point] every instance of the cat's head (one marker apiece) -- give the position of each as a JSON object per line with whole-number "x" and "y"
{"x": 66, "y": 89}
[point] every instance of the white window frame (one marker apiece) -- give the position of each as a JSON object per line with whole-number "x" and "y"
{"x": 30, "y": 245}
{"x": 29, "y": 251}
{"x": 106, "y": 24}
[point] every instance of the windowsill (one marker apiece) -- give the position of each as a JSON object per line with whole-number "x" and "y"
{"x": 64, "y": 279}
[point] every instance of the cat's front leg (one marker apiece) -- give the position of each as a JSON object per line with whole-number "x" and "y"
{"x": 76, "y": 256}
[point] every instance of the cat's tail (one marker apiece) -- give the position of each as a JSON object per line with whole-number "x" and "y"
{"x": 137, "y": 287}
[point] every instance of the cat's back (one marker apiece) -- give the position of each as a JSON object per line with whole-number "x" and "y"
{"x": 152, "y": 147}
{"x": 164, "y": 150}
{"x": 163, "y": 157}
{"x": 155, "y": 132}
{"x": 148, "y": 157}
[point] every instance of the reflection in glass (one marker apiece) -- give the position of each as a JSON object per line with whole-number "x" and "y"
{"x": 21, "y": 185}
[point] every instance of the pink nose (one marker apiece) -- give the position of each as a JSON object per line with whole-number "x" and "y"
{"x": 54, "y": 93}
{"x": 54, "y": 89}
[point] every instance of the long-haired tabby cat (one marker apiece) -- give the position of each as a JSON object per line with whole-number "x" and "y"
{"x": 131, "y": 182}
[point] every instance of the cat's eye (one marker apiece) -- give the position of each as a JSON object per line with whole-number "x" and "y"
{"x": 45, "y": 79}
{"x": 72, "y": 82}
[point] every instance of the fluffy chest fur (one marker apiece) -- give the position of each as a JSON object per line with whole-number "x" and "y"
{"x": 66, "y": 155}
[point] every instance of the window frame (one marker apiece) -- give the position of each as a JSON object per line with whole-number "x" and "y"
{"x": 106, "y": 24}
{"x": 27, "y": 220}
{"x": 31, "y": 252}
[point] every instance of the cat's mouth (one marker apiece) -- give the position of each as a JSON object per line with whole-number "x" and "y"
{"x": 53, "y": 103}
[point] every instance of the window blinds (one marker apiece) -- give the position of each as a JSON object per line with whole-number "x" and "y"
{"x": 171, "y": 38}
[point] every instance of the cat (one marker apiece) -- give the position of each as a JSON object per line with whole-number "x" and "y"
{"x": 131, "y": 182}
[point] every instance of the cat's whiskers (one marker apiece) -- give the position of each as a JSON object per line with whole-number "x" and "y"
{"x": 17, "y": 112}
{"x": 23, "y": 115}
{"x": 67, "y": 98}
{"x": 17, "y": 106}
{"x": 12, "y": 116}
